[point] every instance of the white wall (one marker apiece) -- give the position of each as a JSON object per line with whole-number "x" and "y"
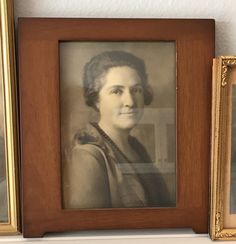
{"x": 223, "y": 11}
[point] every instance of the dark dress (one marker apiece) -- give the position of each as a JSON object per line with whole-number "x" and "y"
{"x": 98, "y": 175}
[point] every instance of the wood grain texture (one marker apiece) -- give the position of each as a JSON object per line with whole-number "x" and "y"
{"x": 40, "y": 122}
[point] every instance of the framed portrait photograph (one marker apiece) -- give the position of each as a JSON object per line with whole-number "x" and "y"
{"x": 111, "y": 123}
{"x": 223, "y": 195}
{"x": 9, "y": 140}
{"x": 134, "y": 125}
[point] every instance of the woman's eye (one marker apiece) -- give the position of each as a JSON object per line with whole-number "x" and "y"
{"x": 137, "y": 90}
{"x": 116, "y": 91}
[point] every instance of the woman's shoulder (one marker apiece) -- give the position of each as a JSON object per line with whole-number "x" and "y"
{"x": 87, "y": 142}
{"x": 86, "y": 178}
{"x": 87, "y": 150}
{"x": 87, "y": 135}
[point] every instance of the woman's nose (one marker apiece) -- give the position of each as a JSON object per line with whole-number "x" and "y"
{"x": 128, "y": 99}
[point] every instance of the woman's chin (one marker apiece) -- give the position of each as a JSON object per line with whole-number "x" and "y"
{"x": 126, "y": 125}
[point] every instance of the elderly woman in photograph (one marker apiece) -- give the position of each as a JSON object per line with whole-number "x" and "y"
{"x": 107, "y": 165}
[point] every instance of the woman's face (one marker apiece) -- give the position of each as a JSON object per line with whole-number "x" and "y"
{"x": 121, "y": 99}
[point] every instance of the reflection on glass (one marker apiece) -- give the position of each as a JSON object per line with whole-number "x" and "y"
{"x": 3, "y": 182}
{"x": 127, "y": 91}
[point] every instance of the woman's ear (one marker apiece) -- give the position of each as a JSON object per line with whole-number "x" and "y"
{"x": 97, "y": 105}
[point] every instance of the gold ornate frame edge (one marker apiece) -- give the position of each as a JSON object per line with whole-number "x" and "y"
{"x": 221, "y": 67}
{"x": 11, "y": 121}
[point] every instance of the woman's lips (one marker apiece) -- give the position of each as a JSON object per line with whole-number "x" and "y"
{"x": 129, "y": 113}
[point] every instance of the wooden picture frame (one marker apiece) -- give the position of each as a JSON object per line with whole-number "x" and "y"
{"x": 9, "y": 185}
{"x": 39, "y": 72}
{"x": 223, "y": 225}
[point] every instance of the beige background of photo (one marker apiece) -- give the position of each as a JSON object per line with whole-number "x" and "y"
{"x": 156, "y": 130}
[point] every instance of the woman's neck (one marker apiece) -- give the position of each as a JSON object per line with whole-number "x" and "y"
{"x": 119, "y": 137}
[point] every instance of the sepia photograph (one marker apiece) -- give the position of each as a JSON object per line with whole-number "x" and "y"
{"x": 223, "y": 202}
{"x": 233, "y": 147}
{"x": 230, "y": 165}
{"x": 118, "y": 124}
{"x": 9, "y": 140}
{"x": 3, "y": 180}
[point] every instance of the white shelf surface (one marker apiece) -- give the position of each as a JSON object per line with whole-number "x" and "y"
{"x": 164, "y": 236}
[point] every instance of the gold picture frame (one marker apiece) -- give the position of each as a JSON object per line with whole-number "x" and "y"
{"x": 223, "y": 214}
{"x": 10, "y": 224}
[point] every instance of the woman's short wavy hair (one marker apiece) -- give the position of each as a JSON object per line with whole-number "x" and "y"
{"x": 99, "y": 65}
